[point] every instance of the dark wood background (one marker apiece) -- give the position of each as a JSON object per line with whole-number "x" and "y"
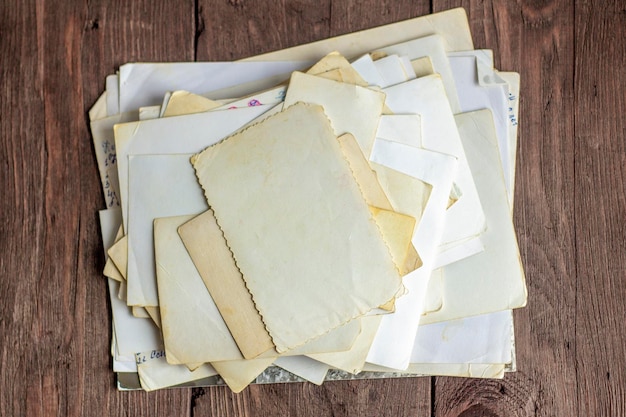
{"x": 569, "y": 215}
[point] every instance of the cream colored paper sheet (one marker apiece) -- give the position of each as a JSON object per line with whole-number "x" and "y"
{"x": 306, "y": 368}
{"x": 351, "y": 109}
{"x": 422, "y": 67}
{"x": 118, "y": 253}
{"x": 184, "y": 102}
{"x": 297, "y": 146}
{"x": 353, "y": 360}
{"x": 140, "y": 312}
{"x": 111, "y": 271}
{"x": 239, "y": 374}
{"x": 397, "y": 229}
{"x": 215, "y": 264}
{"x": 193, "y": 330}
{"x": 203, "y": 237}
{"x": 156, "y": 373}
{"x": 99, "y": 108}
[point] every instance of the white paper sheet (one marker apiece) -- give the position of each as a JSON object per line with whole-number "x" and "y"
{"x": 132, "y": 334}
{"x": 492, "y": 280}
{"x": 159, "y": 186}
{"x": 392, "y": 70}
{"x": 426, "y": 96}
{"x": 119, "y": 365}
{"x": 475, "y": 95}
{"x": 112, "y": 97}
{"x": 480, "y": 339}
{"x": 366, "y": 68}
{"x": 155, "y": 373}
{"x": 145, "y": 84}
{"x": 106, "y": 155}
{"x": 306, "y": 368}
{"x": 433, "y": 48}
{"x": 394, "y": 341}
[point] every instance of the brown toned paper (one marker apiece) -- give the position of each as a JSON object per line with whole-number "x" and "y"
{"x": 201, "y": 237}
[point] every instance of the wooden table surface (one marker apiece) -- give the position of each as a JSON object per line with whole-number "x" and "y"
{"x": 569, "y": 214}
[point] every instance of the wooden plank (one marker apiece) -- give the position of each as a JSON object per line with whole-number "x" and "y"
{"x": 391, "y": 397}
{"x": 536, "y": 40}
{"x": 351, "y": 16}
{"x": 600, "y": 210}
{"x": 22, "y": 221}
{"x": 117, "y": 32}
{"x": 234, "y": 29}
{"x": 55, "y": 329}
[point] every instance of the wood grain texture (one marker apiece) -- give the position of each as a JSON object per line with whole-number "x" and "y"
{"x": 55, "y": 331}
{"x": 353, "y": 15}
{"x": 569, "y": 214}
{"x": 535, "y": 39}
{"x": 22, "y": 221}
{"x": 116, "y": 32}
{"x": 600, "y": 212}
{"x": 393, "y": 397}
{"x": 235, "y": 29}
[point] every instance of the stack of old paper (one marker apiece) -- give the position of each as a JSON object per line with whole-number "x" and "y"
{"x": 336, "y": 210}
